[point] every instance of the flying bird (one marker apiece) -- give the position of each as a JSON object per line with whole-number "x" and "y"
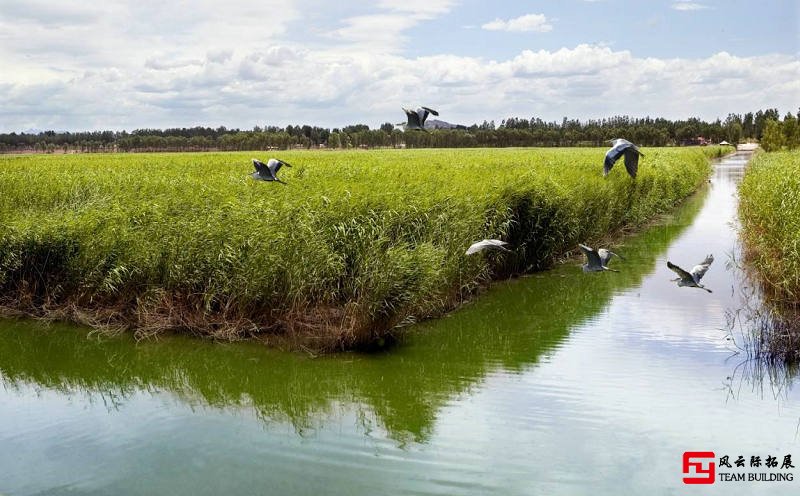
{"x": 488, "y": 244}
{"x": 268, "y": 171}
{"x": 692, "y": 279}
{"x": 620, "y": 147}
{"x": 597, "y": 261}
{"x": 416, "y": 118}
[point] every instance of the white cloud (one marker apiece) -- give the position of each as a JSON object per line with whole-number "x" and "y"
{"x": 139, "y": 64}
{"x": 331, "y": 88}
{"x": 529, "y": 22}
{"x": 381, "y": 30}
{"x": 50, "y": 40}
{"x": 385, "y": 30}
{"x": 688, "y": 5}
{"x": 426, "y": 8}
{"x": 164, "y": 64}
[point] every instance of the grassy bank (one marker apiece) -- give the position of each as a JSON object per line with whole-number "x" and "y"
{"x": 355, "y": 244}
{"x": 769, "y": 209}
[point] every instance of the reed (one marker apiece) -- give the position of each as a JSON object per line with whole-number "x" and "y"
{"x": 769, "y": 208}
{"x": 355, "y": 244}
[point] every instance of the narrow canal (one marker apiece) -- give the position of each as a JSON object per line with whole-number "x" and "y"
{"x": 557, "y": 383}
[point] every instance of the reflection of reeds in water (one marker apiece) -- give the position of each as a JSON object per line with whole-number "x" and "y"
{"x": 761, "y": 375}
{"x": 766, "y": 333}
{"x": 764, "y": 328}
{"x": 764, "y": 342}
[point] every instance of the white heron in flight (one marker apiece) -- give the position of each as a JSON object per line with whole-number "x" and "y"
{"x": 488, "y": 244}
{"x": 692, "y": 279}
{"x": 620, "y": 147}
{"x": 268, "y": 171}
{"x": 597, "y": 261}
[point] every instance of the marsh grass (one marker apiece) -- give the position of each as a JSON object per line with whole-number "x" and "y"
{"x": 769, "y": 210}
{"x": 354, "y": 245}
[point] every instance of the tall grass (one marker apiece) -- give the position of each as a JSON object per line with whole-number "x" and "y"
{"x": 769, "y": 209}
{"x": 355, "y": 244}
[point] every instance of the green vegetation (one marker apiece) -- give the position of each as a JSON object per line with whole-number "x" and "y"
{"x": 770, "y": 212}
{"x": 509, "y": 328}
{"x": 769, "y": 209}
{"x": 355, "y": 244}
{"x": 513, "y": 131}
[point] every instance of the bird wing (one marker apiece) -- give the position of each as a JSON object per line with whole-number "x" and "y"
{"x": 274, "y": 165}
{"x": 477, "y": 246}
{"x": 261, "y": 168}
{"x": 612, "y": 156}
{"x": 682, "y": 273}
{"x": 487, "y": 243}
{"x": 431, "y": 111}
{"x": 631, "y": 160}
{"x": 422, "y": 114}
{"x": 698, "y": 271}
{"x": 496, "y": 243}
{"x": 605, "y": 255}
{"x": 413, "y": 118}
{"x": 591, "y": 255}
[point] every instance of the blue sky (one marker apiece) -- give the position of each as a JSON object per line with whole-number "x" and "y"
{"x": 125, "y": 64}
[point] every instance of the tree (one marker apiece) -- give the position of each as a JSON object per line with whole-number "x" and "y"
{"x": 791, "y": 131}
{"x": 334, "y": 141}
{"x": 772, "y": 138}
{"x": 733, "y": 132}
{"x": 748, "y": 126}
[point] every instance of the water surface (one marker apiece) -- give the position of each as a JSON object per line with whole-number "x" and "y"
{"x": 557, "y": 383}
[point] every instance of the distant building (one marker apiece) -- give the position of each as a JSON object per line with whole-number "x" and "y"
{"x": 696, "y": 141}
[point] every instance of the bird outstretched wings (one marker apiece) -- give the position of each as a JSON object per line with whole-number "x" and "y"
{"x": 699, "y": 270}
{"x": 416, "y": 118}
{"x": 261, "y": 167}
{"x": 275, "y": 165}
{"x": 592, "y": 256}
{"x": 429, "y": 110}
{"x": 632, "y": 160}
{"x": 622, "y": 147}
{"x": 681, "y": 273}
{"x": 605, "y": 255}
{"x": 413, "y": 119}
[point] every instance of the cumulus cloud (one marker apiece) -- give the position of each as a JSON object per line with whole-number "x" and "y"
{"x": 327, "y": 88}
{"x": 165, "y": 63}
{"x": 529, "y": 22}
{"x": 385, "y": 30}
{"x": 382, "y": 30}
{"x": 92, "y": 72}
{"x": 688, "y": 5}
{"x": 425, "y": 8}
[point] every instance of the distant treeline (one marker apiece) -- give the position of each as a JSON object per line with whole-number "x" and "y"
{"x": 513, "y": 131}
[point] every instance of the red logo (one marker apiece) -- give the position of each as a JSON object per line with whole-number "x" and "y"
{"x": 697, "y": 468}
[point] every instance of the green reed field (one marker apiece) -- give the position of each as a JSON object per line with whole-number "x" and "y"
{"x": 355, "y": 244}
{"x": 769, "y": 209}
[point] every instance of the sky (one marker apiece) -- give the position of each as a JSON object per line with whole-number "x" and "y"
{"x": 122, "y": 64}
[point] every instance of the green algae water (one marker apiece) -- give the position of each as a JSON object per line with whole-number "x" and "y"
{"x": 557, "y": 383}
